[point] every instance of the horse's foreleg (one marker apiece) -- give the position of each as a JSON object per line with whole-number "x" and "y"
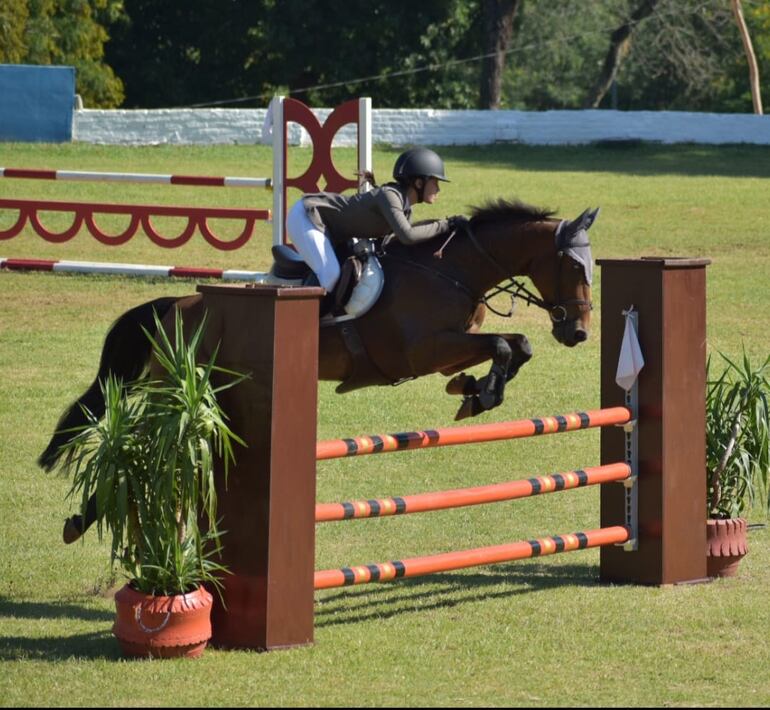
{"x": 521, "y": 353}
{"x": 451, "y": 351}
{"x": 477, "y": 318}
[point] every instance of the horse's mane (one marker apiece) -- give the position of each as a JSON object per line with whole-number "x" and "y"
{"x": 488, "y": 213}
{"x": 495, "y": 210}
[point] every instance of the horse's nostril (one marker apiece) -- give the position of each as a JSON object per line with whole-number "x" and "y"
{"x": 580, "y": 336}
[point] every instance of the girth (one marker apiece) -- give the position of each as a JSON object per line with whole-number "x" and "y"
{"x": 364, "y": 373}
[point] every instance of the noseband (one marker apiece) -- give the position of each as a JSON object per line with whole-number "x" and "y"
{"x": 557, "y": 310}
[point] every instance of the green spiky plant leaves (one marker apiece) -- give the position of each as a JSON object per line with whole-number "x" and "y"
{"x": 738, "y": 438}
{"x": 150, "y": 463}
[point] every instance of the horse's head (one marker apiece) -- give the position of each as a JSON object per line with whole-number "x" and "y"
{"x": 563, "y": 276}
{"x": 515, "y": 239}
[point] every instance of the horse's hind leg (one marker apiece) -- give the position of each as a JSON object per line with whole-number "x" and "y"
{"x": 75, "y": 526}
{"x": 124, "y": 354}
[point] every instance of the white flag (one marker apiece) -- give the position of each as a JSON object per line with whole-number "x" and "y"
{"x": 630, "y": 361}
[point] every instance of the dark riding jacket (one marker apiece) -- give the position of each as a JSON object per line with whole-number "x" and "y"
{"x": 369, "y": 215}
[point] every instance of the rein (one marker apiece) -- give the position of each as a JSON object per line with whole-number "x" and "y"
{"x": 434, "y": 272}
{"x": 516, "y": 289}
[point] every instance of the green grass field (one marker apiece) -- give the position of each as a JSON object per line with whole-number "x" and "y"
{"x": 532, "y": 633}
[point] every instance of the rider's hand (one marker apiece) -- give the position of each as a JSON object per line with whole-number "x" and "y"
{"x": 459, "y": 222}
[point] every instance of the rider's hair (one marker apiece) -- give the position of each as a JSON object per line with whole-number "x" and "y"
{"x": 407, "y": 182}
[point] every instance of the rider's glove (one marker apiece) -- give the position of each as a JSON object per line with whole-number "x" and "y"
{"x": 459, "y": 222}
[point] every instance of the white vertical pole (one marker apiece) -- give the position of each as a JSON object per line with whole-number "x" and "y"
{"x": 279, "y": 166}
{"x": 632, "y": 454}
{"x": 364, "y": 141}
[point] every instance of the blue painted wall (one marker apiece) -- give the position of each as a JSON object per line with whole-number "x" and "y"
{"x": 36, "y": 103}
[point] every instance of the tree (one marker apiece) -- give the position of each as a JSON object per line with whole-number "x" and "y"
{"x": 687, "y": 56}
{"x": 186, "y": 52}
{"x": 756, "y": 94}
{"x": 556, "y": 52}
{"x": 543, "y": 55}
{"x": 70, "y": 32}
{"x": 13, "y": 19}
{"x": 620, "y": 43}
{"x": 498, "y": 16}
{"x": 758, "y": 20}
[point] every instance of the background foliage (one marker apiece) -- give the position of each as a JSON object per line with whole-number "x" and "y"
{"x": 71, "y": 32}
{"x": 141, "y": 53}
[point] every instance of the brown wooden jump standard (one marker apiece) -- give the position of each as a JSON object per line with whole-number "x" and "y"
{"x": 268, "y": 507}
{"x": 670, "y": 296}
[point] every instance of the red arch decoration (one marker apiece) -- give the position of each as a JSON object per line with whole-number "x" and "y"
{"x": 321, "y": 169}
{"x": 321, "y": 137}
{"x": 84, "y": 213}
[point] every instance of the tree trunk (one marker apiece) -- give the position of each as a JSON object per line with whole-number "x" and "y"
{"x": 620, "y": 44}
{"x": 756, "y": 95}
{"x": 498, "y": 30}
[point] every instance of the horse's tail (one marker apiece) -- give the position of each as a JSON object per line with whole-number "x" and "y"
{"x": 125, "y": 354}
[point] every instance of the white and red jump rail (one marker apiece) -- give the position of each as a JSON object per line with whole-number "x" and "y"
{"x": 84, "y": 215}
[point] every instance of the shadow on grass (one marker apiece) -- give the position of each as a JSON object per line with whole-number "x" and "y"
{"x": 51, "y": 610}
{"x": 437, "y": 591}
{"x": 628, "y": 157}
{"x": 93, "y": 645}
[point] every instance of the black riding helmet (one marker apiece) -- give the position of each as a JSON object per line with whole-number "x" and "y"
{"x": 419, "y": 163}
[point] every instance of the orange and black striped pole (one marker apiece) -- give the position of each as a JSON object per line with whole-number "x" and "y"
{"x": 450, "y": 436}
{"x": 416, "y": 566}
{"x": 457, "y": 498}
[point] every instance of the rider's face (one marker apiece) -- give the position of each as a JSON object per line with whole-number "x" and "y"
{"x": 431, "y": 191}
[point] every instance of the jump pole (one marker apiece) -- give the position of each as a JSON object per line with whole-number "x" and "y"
{"x": 478, "y": 495}
{"x": 461, "y": 559}
{"x": 470, "y": 434}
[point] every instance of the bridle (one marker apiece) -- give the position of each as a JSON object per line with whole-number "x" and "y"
{"x": 557, "y": 310}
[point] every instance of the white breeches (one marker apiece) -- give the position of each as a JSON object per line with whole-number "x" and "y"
{"x": 313, "y": 246}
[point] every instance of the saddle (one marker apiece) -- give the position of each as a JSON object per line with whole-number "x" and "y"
{"x": 358, "y": 288}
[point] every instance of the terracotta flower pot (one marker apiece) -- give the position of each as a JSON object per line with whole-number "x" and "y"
{"x": 725, "y": 546}
{"x": 162, "y": 627}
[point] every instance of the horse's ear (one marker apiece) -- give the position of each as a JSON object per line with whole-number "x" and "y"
{"x": 585, "y": 220}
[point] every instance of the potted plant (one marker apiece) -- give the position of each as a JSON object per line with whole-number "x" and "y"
{"x": 149, "y": 464}
{"x": 737, "y": 457}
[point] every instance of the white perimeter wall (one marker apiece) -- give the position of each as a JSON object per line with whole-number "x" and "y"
{"x": 426, "y": 126}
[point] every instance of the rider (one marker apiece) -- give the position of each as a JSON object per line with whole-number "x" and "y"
{"x": 319, "y": 221}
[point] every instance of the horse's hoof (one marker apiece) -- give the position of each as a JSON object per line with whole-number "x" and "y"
{"x": 489, "y": 400}
{"x": 470, "y": 407}
{"x": 72, "y": 531}
{"x": 462, "y": 384}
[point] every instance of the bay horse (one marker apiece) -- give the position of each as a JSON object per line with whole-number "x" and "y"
{"x": 426, "y": 320}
